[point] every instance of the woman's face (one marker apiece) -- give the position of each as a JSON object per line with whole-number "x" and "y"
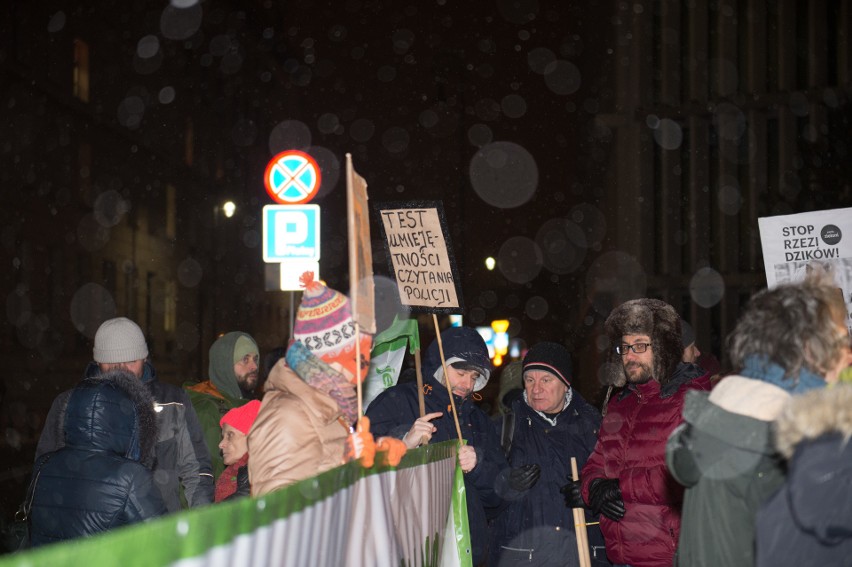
{"x": 234, "y": 444}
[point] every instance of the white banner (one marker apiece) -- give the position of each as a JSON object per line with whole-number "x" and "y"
{"x": 796, "y": 245}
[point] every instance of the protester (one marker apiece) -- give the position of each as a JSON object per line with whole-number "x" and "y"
{"x": 233, "y": 371}
{"x": 785, "y": 343}
{"x": 236, "y": 424}
{"x": 182, "y": 457}
{"x": 101, "y": 478}
{"x": 310, "y": 401}
{"x": 553, "y": 423}
{"x": 396, "y": 412}
{"x": 809, "y": 520}
{"x": 625, "y": 478}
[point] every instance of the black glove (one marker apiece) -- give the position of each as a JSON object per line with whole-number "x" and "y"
{"x": 573, "y": 496}
{"x": 524, "y": 478}
{"x": 605, "y": 498}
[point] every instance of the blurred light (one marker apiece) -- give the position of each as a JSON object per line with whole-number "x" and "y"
{"x": 515, "y": 348}
{"x": 455, "y": 320}
{"x": 488, "y": 337}
{"x": 498, "y": 360}
{"x": 490, "y": 263}
{"x": 500, "y": 325}
{"x": 229, "y": 209}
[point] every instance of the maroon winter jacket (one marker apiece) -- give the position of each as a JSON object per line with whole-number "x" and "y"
{"x": 632, "y": 448}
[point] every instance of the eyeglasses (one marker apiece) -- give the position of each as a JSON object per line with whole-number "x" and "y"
{"x": 638, "y": 348}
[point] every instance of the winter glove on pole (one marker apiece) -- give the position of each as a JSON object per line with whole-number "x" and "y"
{"x": 605, "y": 498}
{"x": 390, "y": 450}
{"x": 573, "y": 496}
{"x": 524, "y": 477}
{"x": 360, "y": 444}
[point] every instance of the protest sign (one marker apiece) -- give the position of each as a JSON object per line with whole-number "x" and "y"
{"x": 360, "y": 251}
{"x": 420, "y": 256}
{"x": 797, "y": 245}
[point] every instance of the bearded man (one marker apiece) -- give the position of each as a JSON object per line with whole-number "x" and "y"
{"x": 625, "y": 478}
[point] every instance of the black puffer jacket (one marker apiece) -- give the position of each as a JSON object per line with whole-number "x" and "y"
{"x": 101, "y": 478}
{"x": 182, "y": 456}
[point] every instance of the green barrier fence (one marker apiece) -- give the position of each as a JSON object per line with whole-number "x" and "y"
{"x": 410, "y": 515}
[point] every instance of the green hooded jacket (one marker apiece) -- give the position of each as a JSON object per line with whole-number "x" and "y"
{"x": 213, "y": 398}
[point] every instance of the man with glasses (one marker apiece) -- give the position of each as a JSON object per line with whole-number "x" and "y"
{"x": 626, "y": 479}
{"x": 233, "y": 378}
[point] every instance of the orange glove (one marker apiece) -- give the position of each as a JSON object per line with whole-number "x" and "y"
{"x": 361, "y": 444}
{"x": 392, "y": 450}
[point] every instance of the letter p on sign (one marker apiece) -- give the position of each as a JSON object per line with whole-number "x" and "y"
{"x": 291, "y": 232}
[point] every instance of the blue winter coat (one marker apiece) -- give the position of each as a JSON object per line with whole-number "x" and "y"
{"x": 395, "y": 410}
{"x": 182, "y": 458}
{"x": 537, "y": 527}
{"x": 101, "y": 479}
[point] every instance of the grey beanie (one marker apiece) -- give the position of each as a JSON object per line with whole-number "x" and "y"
{"x": 119, "y": 340}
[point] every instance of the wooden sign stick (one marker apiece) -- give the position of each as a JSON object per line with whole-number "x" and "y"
{"x": 447, "y": 377}
{"x": 580, "y": 525}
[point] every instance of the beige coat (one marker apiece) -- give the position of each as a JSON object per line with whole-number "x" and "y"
{"x": 299, "y": 433}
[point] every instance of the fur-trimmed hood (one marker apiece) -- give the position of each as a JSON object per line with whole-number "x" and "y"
{"x": 651, "y": 317}
{"x": 814, "y": 414}
{"x": 112, "y": 412}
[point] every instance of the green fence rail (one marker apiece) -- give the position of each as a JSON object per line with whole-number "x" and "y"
{"x": 410, "y": 515}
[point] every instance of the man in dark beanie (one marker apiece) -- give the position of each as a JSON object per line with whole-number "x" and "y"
{"x": 552, "y": 424}
{"x": 626, "y": 478}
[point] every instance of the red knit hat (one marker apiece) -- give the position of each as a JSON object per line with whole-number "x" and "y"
{"x": 242, "y": 417}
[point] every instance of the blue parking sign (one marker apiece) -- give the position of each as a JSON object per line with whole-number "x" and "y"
{"x": 291, "y": 232}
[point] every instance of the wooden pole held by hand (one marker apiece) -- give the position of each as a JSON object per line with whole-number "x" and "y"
{"x": 580, "y": 525}
{"x": 420, "y": 400}
{"x": 447, "y": 377}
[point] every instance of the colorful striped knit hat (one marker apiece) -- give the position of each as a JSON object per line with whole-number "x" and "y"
{"x": 324, "y": 325}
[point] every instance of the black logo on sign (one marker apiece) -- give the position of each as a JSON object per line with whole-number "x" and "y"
{"x": 830, "y": 234}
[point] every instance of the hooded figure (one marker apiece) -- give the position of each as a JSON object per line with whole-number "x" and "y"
{"x": 625, "y": 478}
{"x": 213, "y": 398}
{"x": 396, "y": 412}
{"x": 101, "y": 479}
{"x": 809, "y": 520}
{"x": 310, "y": 398}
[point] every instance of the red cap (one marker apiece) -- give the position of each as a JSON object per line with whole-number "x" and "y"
{"x": 242, "y": 417}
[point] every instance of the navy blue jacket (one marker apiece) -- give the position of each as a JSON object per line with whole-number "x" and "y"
{"x": 101, "y": 479}
{"x": 537, "y": 524}
{"x": 182, "y": 456}
{"x": 395, "y": 410}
